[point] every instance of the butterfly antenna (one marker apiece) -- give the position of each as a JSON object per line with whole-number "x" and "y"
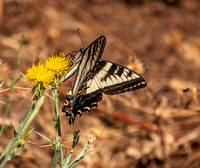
{"x": 78, "y": 31}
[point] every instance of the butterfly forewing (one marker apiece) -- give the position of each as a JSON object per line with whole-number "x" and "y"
{"x": 90, "y": 57}
{"x": 112, "y": 79}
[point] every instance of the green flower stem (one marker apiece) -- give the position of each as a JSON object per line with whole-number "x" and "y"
{"x": 55, "y": 158}
{"x": 24, "y": 125}
{"x": 31, "y": 115}
{"x": 58, "y": 128}
{"x": 7, "y": 110}
{"x": 55, "y": 96}
{"x": 13, "y": 82}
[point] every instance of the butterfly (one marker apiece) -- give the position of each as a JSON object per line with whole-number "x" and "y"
{"x": 94, "y": 77}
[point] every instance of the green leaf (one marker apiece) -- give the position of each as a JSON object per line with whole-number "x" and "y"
{"x": 15, "y": 132}
{"x": 80, "y": 155}
{"x": 54, "y": 124}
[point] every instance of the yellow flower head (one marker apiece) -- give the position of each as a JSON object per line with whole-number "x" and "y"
{"x": 40, "y": 74}
{"x": 58, "y": 64}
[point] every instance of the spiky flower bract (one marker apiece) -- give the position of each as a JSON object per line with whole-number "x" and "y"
{"x": 56, "y": 144}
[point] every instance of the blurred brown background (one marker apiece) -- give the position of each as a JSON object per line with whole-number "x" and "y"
{"x": 158, "y": 126}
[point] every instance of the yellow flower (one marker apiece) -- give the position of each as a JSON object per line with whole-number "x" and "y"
{"x": 58, "y": 64}
{"x": 40, "y": 74}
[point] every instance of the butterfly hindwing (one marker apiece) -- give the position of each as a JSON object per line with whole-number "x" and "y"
{"x": 85, "y": 103}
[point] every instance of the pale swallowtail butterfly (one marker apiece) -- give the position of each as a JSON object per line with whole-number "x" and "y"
{"x": 94, "y": 77}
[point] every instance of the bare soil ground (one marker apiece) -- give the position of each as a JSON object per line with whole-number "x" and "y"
{"x": 158, "y": 126}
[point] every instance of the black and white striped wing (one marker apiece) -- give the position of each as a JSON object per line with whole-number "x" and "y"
{"x": 88, "y": 61}
{"x": 109, "y": 78}
{"x": 113, "y": 79}
{"x": 85, "y": 61}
